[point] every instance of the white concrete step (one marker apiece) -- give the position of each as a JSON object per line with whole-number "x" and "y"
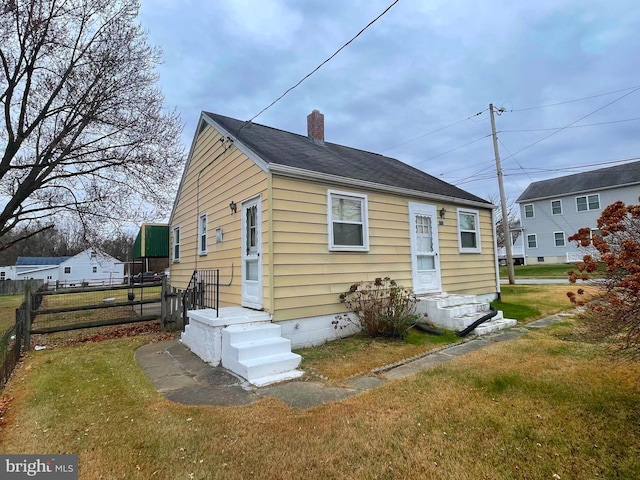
{"x": 444, "y": 300}
{"x": 259, "y": 353}
{"x": 260, "y": 348}
{"x": 494, "y": 325}
{"x": 464, "y": 309}
{"x": 278, "y": 377}
{"x": 463, "y": 321}
{"x": 442, "y": 307}
{"x": 246, "y": 333}
{"x": 457, "y": 312}
{"x": 256, "y": 368}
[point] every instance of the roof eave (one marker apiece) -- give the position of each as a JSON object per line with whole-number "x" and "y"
{"x": 225, "y": 133}
{"x": 576, "y": 193}
{"x": 301, "y": 173}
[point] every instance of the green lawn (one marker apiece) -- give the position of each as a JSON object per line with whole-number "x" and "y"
{"x": 8, "y": 305}
{"x": 547, "y": 405}
{"x": 557, "y": 270}
{"x": 529, "y": 302}
{"x": 540, "y": 407}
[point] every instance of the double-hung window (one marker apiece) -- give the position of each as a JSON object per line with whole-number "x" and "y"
{"x": 528, "y": 211}
{"x": 532, "y": 240}
{"x": 202, "y": 234}
{"x": 176, "y": 244}
{"x": 348, "y": 218}
{"x": 588, "y": 202}
{"x": 556, "y": 207}
{"x": 558, "y": 238}
{"x": 468, "y": 231}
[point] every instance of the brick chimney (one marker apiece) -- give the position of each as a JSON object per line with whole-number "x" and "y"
{"x": 315, "y": 127}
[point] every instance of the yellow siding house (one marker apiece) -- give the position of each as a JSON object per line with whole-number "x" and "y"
{"x": 291, "y": 221}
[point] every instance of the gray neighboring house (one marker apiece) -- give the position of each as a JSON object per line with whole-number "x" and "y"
{"x": 553, "y": 210}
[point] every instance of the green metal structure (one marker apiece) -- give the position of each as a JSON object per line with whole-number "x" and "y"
{"x": 152, "y": 241}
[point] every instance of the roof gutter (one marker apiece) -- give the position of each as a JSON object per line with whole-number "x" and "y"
{"x": 37, "y": 269}
{"x": 294, "y": 172}
{"x": 576, "y": 193}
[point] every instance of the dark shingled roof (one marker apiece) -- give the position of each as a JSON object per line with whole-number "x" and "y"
{"x": 36, "y": 261}
{"x": 626, "y": 174}
{"x": 293, "y": 150}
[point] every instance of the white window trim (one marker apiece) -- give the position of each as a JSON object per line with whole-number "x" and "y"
{"x": 476, "y": 213}
{"x": 65, "y": 270}
{"x": 552, "y": 213}
{"x": 535, "y": 237}
{"x": 175, "y": 244}
{"x": 586, "y": 197}
{"x": 564, "y": 240}
{"x": 593, "y": 195}
{"x": 365, "y": 222}
{"x": 203, "y": 251}
{"x": 533, "y": 210}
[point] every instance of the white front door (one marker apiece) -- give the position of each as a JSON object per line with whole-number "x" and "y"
{"x": 251, "y": 259}
{"x": 425, "y": 263}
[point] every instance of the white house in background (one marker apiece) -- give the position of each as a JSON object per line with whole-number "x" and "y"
{"x": 90, "y": 267}
{"x": 553, "y": 210}
{"x": 517, "y": 246}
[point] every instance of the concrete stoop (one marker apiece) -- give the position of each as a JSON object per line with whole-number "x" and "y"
{"x": 259, "y": 353}
{"x": 457, "y": 312}
{"x": 244, "y": 341}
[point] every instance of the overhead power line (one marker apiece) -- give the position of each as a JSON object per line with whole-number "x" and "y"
{"x": 575, "y": 100}
{"x": 322, "y": 64}
{"x": 572, "y": 126}
{"x": 436, "y": 131}
{"x": 453, "y": 149}
{"x": 472, "y": 177}
{"x": 576, "y": 121}
{"x": 576, "y": 168}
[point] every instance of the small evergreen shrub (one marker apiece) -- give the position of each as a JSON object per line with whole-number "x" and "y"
{"x": 383, "y": 308}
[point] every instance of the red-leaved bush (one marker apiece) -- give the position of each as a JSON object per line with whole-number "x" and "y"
{"x": 615, "y": 317}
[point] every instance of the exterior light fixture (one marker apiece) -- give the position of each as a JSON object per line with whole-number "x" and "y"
{"x": 443, "y": 212}
{"x": 233, "y": 207}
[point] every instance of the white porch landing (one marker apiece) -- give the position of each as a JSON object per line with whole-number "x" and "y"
{"x": 243, "y": 341}
{"x": 457, "y": 312}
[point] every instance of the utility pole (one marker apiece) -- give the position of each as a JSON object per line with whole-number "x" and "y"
{"x": 503, "y": 200}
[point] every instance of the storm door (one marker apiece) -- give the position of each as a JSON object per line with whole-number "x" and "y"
{"x": 251, "y": 249}
{"x": 425, "y": 262}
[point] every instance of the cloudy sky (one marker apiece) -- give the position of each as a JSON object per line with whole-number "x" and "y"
{"x": 417, "y": 84}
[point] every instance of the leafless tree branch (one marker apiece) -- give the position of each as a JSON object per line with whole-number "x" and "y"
{"x": 82, "y": 113}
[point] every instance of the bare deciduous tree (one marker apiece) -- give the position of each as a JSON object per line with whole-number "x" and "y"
{"x": 85, "y": 132}
{"x": 512, "y": 215}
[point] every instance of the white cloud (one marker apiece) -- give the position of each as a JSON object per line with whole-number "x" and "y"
{"x": 422, "y": 66}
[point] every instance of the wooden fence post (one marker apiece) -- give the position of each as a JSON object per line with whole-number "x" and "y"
{"x": 164, "y": 311}
{"x": 27, "y": 317}
{"x": 177, "y": 309}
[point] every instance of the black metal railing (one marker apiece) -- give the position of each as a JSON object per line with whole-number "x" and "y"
{"x": 203, "y": 292}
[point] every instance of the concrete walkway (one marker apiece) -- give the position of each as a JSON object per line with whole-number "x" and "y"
{"x": 183, "y": 377}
